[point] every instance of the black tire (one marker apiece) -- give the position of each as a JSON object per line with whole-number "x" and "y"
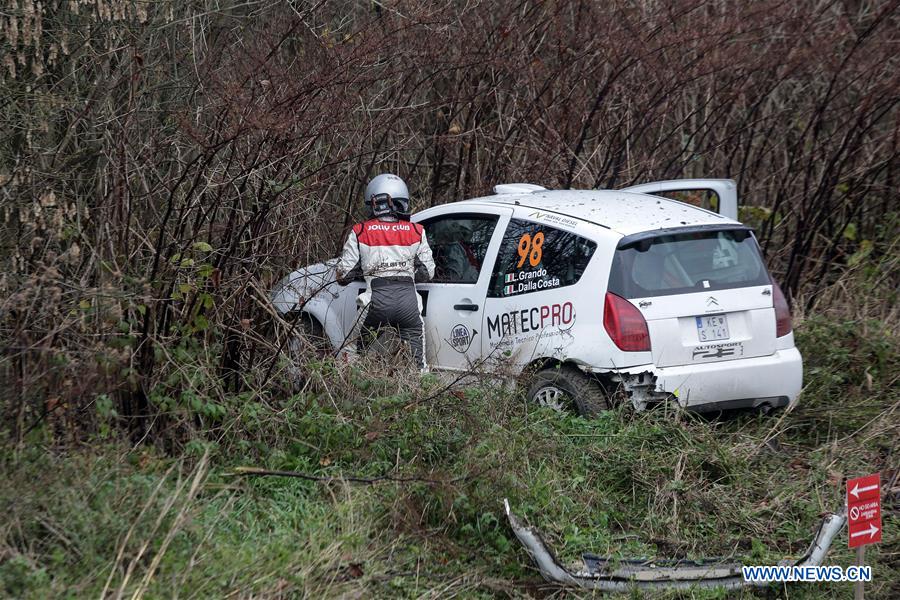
{"x": 579, "y": 392}
{"x": 309, "y": 337}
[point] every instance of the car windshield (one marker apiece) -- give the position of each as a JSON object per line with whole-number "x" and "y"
{"x": 687, "y": 262}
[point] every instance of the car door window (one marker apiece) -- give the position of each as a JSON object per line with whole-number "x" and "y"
{"x": 459, "y": 244}
{"x": 534, "y": 257}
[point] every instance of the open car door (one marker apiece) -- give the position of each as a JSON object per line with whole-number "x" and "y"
{"x": 717, "y": 195}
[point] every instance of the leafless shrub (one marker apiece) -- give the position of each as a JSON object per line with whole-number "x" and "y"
{"x": 164, "y": 163}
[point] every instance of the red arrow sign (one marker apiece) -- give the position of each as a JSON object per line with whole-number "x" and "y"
{"x": 864, "y": 510}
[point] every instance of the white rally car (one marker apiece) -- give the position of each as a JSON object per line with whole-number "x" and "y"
{"x": 588, "y": 291}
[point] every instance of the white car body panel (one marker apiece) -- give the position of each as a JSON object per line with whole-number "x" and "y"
{"x": 512, "y": 343}
{"x": 622, "y": 211}
{"x": 726, "y": 189}
{"x": 716, "y": 385}
{"x": 314, "y": 290}
{"x": 673, "y": 331}
{"x": 453, "y": 337}
{"x": 565, "y": 324}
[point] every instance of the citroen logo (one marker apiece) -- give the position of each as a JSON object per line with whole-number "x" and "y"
{"x": 711, "y": 301}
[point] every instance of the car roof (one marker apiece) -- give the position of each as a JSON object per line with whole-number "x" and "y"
{"x": 623, "y": 212}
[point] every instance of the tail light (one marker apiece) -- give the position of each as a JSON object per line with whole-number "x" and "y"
{"x": 625, "y": 324}
{"x": 782, "y": 312}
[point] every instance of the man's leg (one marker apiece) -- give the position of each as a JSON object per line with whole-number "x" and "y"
{"x": 411, "y": 325}
{"x": 414, "y": 335}
{"x": 369, "y": 322}
{"x": 397, "y": 304}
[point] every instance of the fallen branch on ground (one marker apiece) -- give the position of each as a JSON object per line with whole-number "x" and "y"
{"x": 352, "y": 479}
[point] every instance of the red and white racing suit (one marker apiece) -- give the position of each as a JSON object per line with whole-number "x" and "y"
{"x": 391, "y": 255}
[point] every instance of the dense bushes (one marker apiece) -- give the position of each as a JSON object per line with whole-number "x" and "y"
{"x": 165, "y": 163}
{"x": 162, "y": 164}
{"x": 661, "y": 484}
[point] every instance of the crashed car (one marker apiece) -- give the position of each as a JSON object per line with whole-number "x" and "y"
{"x": 656, "y": 290}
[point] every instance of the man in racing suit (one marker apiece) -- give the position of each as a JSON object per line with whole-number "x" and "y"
{"x": 392, "y": 253}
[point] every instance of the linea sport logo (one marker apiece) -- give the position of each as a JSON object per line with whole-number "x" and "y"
{"x": 460, "y": 337}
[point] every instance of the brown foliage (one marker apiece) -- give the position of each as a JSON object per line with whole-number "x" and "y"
{"x": 164, "y": 163}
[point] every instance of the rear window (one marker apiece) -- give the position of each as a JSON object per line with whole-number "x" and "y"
{"x": 687, "y": 262}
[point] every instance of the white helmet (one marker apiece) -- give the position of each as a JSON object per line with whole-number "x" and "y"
{"x": 387, "y": 194}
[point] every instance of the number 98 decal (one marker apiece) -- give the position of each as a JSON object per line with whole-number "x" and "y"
{"x": 531, "y": 248}
{"x": 532, "y": 277}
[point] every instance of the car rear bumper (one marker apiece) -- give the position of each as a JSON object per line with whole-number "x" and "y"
{"x": 764, "y": 403}
{"x": 770, "y": 381}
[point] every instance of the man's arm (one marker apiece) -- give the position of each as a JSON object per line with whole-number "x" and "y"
{"x": 424, "y": 261}
{"x": 348, "y": 264}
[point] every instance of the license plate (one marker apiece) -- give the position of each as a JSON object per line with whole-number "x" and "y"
{"x": 712, "y": 328}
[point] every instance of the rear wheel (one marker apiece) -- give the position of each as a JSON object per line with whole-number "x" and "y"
{"x": 565, "y": 388}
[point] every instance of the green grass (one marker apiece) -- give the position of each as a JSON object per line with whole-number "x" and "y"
{"x": 660, "y": 483}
